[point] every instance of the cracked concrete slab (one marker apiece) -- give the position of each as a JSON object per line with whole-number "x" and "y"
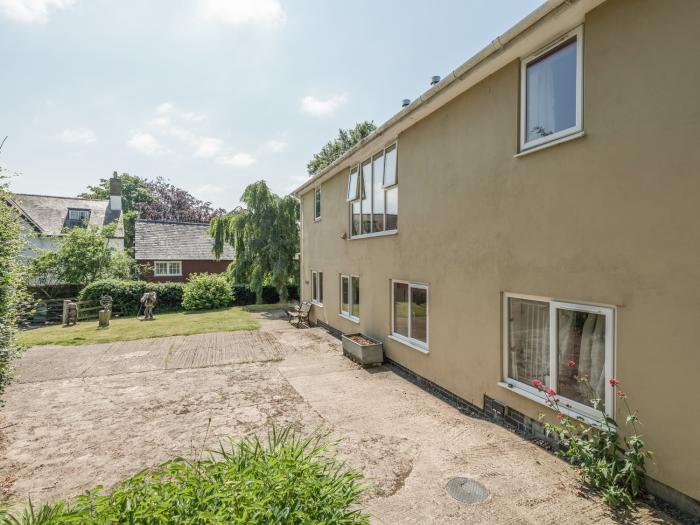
{"x": 81, "y": 416}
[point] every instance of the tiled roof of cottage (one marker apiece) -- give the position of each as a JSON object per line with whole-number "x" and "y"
{"x": 164, "y": 240}
{"x": 50, "y": 214}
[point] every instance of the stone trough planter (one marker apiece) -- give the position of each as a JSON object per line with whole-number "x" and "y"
{"x": 363, "y": 350}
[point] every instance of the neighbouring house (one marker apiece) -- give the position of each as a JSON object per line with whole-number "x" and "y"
{"x": 549, "y": 211}
{"x": 46, "y": 218}
{"x": 173, "y": 250}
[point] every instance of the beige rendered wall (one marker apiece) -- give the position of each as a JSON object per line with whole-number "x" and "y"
{"x": 611, "y": 218}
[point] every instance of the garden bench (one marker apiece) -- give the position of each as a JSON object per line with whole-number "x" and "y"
{"x": 299, "y": 314}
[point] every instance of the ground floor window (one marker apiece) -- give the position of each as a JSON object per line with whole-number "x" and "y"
{"x": 350, "y": 296}
{"x": 409, "y": 319}
{"x": 317, "y": 287}
{"x": 167, "y": 268}
{"x": 556, "y": 342}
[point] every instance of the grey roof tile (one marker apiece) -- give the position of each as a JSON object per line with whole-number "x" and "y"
{"x": 165, "y": 240}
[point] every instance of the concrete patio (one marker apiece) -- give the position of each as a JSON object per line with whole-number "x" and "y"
{"x": 80, "y": 416}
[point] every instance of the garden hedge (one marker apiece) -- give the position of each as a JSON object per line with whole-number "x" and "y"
{"x": 126, "y": 295}
{"x": 206, "y": 291}
{"x": 243, "y": 295}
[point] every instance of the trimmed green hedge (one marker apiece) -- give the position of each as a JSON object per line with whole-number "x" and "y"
{"x": 242, "y": 295}
{"x": 206, "y": 291}
{"x": 126, "y": 295}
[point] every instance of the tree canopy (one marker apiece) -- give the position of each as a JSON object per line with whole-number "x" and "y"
{"x": 335, "y": 148}
{"x": 265, "y": 238}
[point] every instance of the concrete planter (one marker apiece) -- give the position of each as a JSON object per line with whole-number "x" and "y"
{"x": 364, "y": 354}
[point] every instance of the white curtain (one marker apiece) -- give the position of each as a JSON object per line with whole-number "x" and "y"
{"x": 540, "y": 100}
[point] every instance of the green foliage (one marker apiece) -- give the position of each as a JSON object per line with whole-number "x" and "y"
{"x": 270, "y": 295}
{"x": 265, "y": 239}
{"x": 242, "y": 295}
{"x": 287, "y": 480}
{"x": 335, "y": 148}
{"x": 127, "y": 294}
{"x": 611, "y": 465}
{"x": 205, "y": 291}
{"x": 12, "y": 284}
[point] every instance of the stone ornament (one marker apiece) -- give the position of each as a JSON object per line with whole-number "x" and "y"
{"x": 148, "y": 301}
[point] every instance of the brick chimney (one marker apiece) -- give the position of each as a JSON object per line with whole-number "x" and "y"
{"x": 115, "y": 193}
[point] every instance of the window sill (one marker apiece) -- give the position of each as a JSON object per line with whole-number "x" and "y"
{"x": 377, "y": 234}
{"x": 409, "y": 343}
{"x": 316, "y": 303}
{"x": 317, "y": 219}
{"x": 567, "y": 138}
{"x": 565, "y": 410}
{"x": 350, "y": 318}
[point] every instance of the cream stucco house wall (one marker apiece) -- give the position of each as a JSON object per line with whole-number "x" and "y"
{"x": 545, "y": 205}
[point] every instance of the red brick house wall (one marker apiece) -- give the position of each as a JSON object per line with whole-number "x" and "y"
{"x": 188, "y": 267}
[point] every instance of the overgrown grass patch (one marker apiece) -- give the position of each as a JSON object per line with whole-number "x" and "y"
{"x": 131, "y": 328}
{"x": 289, "y": 479}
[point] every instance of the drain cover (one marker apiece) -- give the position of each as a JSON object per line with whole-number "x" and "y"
{"x": 467, "y": 490}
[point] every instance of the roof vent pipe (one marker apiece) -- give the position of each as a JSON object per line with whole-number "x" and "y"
{"x": 405, "y": 102}
{"x": 434, "y": 80}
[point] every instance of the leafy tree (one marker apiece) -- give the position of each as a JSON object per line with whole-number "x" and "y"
{"x": 12, "y": 282}
{"x": 265, "y": 239}
{"x": 82, "y": 256}
{"x": 335, "y": 148}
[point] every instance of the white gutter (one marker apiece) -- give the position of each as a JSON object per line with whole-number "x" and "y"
{"x": 543, "y": 25}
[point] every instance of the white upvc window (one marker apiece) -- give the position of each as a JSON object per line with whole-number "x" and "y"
{"x": 409, "y": 314}
{"x": 79, "y": 215}
{"x": 555, "y": 342}
{"x": 350, "y": 297}
{"x": 167, "y": 268}
{"x": 551, "y": 92}
{"x": 373, "y": 195}
{"x": 317, "y": 287}
{"x": 317, "y": 203}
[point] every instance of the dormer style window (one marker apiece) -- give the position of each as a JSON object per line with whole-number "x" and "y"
{"x": 551, "y": 92}
{"x": 373, "y": 194}
{"x": 77, "y": 218}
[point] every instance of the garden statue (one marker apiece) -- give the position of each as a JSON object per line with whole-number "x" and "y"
{"x": 148, "y": 301}
{"x": 106, "y": 312}
{"x": 71, "y": 313}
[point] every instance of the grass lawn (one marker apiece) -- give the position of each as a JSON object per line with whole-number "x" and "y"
{"x": 130, "y": 328}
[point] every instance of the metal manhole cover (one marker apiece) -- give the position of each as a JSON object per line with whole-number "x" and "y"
{"x": 467, "y": 490}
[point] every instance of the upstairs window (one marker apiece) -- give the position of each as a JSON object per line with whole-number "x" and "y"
{"x": 373, "y": 195}
{"x": 78, "y": 218}
{"x": 551, "y": 88}
{"x": 317, "y": 287}
{"x": 317, "y": 203}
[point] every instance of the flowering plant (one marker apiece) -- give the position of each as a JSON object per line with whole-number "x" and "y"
{"x": 614, "y": 466}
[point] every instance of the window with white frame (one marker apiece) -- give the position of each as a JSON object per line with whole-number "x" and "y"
{"x": 556, "y": 343}
{"x": 373, "y": 194}
{"x": 316, "y": 287}
{"x": 551, "y": 91}
{"x": 79, "y": 215}
{"x": 350, "y": 296}
{"x": 409, "y": 313}
{"x": 167, "y": 268}
{"x": 317, "y": 203}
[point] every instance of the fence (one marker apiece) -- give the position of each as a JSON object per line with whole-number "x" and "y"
{"x": 51, "y": 311}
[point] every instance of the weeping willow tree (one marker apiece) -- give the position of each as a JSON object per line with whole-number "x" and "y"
{"x": 265, "y": 238}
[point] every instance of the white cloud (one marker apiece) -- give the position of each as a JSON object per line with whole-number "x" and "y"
{"x": 209, "y": 191}
{"x": 146, "y": 143}
{"x": 238, "y": 160}
{"x": 165, "y": 107}
{"x": 243, "y": 12}
{"x": 208, "y": 147}
{"x": 276, "y": 146}
{"x": 29, "y": 11}
{"x": 323, "y": 108}
{"x": 77, "y": 136}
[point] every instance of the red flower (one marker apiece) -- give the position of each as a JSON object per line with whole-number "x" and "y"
{"x": 551, "y": 392}
{"x": 614, "y": 382}
{"x": 621, "y": 394}
{"x": 571, "y": 363}
{"x": 537, "y": 384}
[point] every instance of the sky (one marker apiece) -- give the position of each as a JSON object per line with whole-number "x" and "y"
{"x": 215, "y": 94}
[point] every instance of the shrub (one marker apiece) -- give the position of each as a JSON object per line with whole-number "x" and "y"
{"x": 614, "y": 467}
{"x": 205, "y": 291}
{"x": 126, "y": 295}
{"x": 270, "y": 295}
{"x": 290, "y": 479}
{"x": 293, "y": 292}
{"x": 242, "y": 295}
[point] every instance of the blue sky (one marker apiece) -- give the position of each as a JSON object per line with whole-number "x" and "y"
{"x": 214, "y": 94}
